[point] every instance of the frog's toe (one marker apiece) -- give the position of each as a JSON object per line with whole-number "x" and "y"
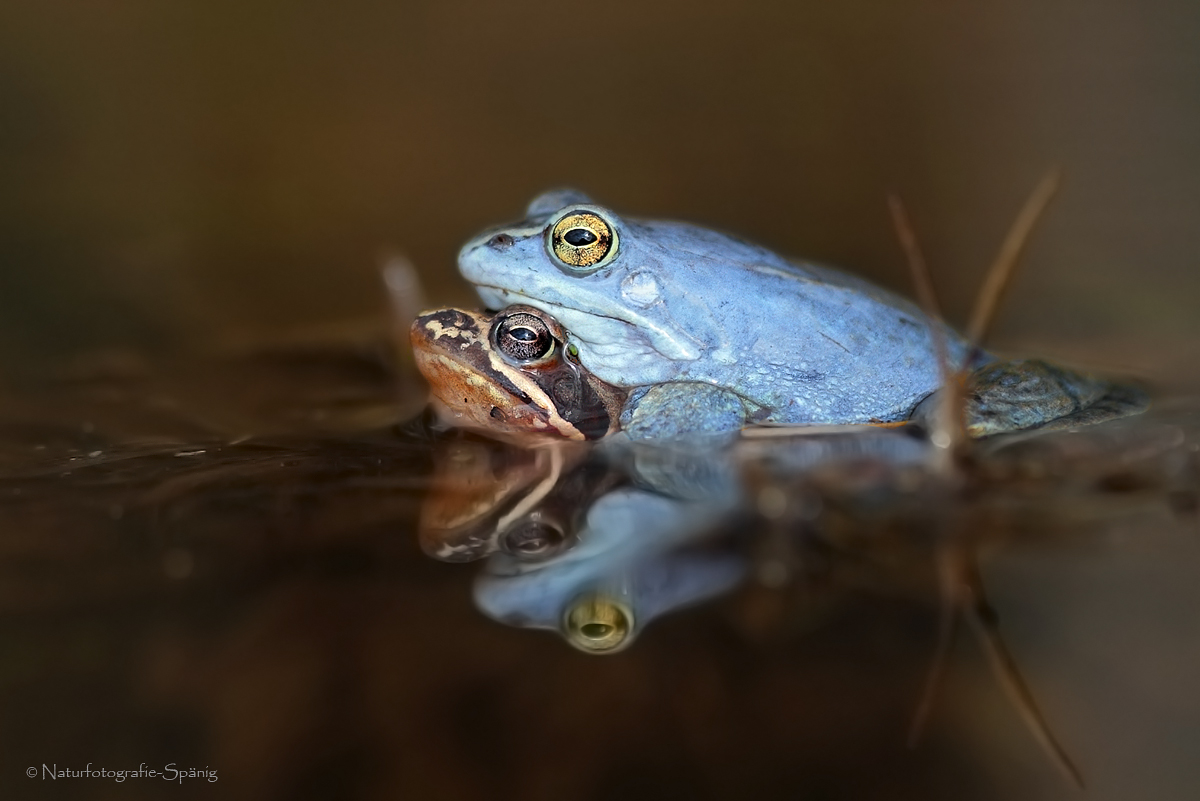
{"x": 1120, "y": 400}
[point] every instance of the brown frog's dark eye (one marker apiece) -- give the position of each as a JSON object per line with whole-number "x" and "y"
{"x": 524, "y": 337}
{"x": 582, "y": 240}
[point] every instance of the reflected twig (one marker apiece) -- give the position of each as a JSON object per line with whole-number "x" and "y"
{"x": 962, "y": 593}
{"x": 947, "y": 631}
{"x": 982, "y": 618}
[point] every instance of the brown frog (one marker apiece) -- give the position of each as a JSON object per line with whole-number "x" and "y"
{"x": 511, "y": 374}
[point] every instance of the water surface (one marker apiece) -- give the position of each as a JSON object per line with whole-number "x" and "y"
{"x": 226, "y": 562}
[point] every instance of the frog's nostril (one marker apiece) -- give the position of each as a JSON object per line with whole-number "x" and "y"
{"x": 500, "y": 241}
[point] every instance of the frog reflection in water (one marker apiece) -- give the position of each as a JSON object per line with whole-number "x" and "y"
{"x": 709, "y": 334}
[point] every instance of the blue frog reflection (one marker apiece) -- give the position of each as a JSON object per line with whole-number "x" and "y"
{"x": 635, "y": 558}
{"x": 595, "y": 542}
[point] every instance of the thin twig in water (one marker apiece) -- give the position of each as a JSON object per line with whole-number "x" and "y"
{"x": 948, "y": 432}
{"x": 999, "y": 275}
{"x": 922, "y": 280}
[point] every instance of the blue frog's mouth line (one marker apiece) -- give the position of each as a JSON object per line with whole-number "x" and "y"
{"x": 518, "y": 297}
{"x": 664, "y": 342}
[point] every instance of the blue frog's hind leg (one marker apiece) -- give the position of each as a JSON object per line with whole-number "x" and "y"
{"x": 1022, "y": 394}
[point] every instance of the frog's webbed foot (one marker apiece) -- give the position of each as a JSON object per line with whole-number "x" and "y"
{"x": 1118, "y": 400}
{"x": 1021, "y": 394}
{"x": 683, "y": 409}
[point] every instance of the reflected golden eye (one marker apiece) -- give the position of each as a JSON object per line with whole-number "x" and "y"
{"x": 581, "y": 240}
{"x": 597, "y": 625}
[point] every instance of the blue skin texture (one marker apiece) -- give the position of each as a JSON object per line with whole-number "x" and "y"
{"x": 717, "y": 333}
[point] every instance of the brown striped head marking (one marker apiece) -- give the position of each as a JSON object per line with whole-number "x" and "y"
{"x": 509, "y": 374}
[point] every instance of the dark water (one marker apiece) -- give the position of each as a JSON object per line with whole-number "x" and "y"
{"x": 224, "y": 563}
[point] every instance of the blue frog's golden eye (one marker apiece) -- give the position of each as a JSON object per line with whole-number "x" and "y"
{"x": 582, "y": 240}
{"x": 524, "y": 338}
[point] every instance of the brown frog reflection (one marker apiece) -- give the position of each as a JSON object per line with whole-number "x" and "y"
{"x": 486, "y": 497}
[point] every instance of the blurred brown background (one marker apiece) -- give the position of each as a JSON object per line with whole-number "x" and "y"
{"x": 185, "y": 172}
